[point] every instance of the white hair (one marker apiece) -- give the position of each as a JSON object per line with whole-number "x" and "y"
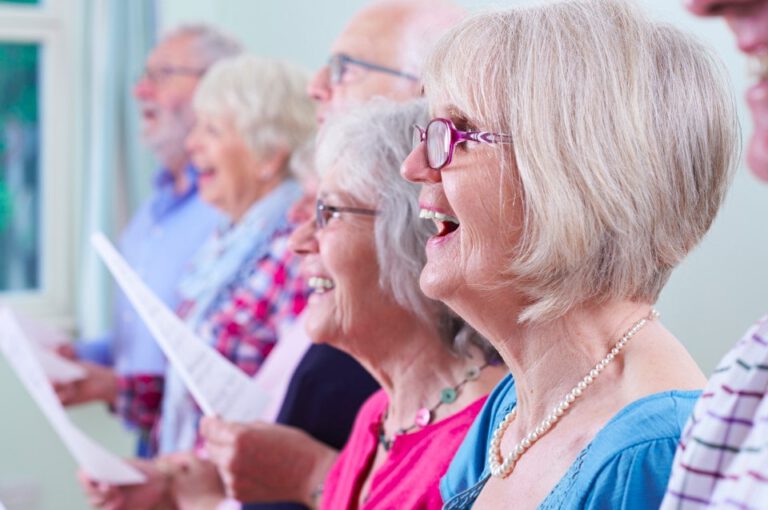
{"x": 625, "y": 140}
{"x": 266, "y": 98}
{"x": 208, "y": 44}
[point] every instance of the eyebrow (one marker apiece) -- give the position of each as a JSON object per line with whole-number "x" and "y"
{"x": 458, "y": 116}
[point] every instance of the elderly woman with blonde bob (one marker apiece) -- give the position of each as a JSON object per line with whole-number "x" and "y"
{"x": 578, "y": 152}
{"x": 251, "y": 115}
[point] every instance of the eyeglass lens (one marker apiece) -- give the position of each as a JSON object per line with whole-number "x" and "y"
{"x": 438, "y": 143}
{"x": 336, "y": 68}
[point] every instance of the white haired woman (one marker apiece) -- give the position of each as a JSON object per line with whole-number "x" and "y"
{"x": 362, "y": 257}
{"x": 579, "y": 151}
{"x": 252, "y": 114}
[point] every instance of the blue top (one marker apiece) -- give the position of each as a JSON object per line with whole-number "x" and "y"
{"x": 160, "y": 240}
{"x": 626, "y": 466}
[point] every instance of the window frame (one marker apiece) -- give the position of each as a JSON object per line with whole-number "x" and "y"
{"x": 51, "y": 24}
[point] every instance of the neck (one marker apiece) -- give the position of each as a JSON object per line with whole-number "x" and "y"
{"x": 178, "y": 171}
{"x": 413, "y": 365}
{"x": 548, "y": 360}
{"x": 238, "y": 207}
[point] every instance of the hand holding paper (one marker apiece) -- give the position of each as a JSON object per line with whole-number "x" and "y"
{"x": 99, "y": 463}
{"x": 44, "y": 341}
{"x": 219, "y": 388}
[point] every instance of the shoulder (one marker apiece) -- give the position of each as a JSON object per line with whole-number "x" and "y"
{"x": 468, "y": 465}
{"x": 629, "y": 461}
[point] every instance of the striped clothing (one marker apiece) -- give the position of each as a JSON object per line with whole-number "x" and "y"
{"x": 722, "y": 458}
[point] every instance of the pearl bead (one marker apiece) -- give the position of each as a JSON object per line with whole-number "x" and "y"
{"x": 502, "y": 467}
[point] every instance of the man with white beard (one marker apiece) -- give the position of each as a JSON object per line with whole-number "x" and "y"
{"x": 125, "y": 368}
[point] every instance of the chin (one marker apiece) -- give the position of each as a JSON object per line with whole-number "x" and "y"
{"x": 435, "y": 284}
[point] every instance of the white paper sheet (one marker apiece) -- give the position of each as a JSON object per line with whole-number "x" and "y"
{"x": 44, "y": 340}
{"x": 219, "y": 387}
{"x": 97, "y": 462}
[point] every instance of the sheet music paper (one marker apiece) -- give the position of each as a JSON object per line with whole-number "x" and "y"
{"x": 219, "y": 387}
{"x": 44, "y": 340}
{"x": 97, "y": 462}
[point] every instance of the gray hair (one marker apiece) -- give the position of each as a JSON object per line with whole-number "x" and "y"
{"x": 625, "y": 141}
{"x": 367, "y": 145}
{"x": 267, "y": 99}
{"x": 209, "y": 44}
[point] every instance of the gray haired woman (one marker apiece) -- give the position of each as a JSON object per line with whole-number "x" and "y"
{"x": 362, "y": 257}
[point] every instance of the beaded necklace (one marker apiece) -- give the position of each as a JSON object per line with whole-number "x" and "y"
{"x": 425, "y": 415}
{"x": 502, "y": 466}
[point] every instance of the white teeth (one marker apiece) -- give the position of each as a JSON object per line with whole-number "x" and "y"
{"x": 320, "y": 285}
{"x": 426, "y": 214}
{"x": 758, "y": 66}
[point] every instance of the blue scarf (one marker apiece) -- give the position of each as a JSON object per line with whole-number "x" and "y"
{"x": 221, "y": 258}
{"x": 214, "y": 269}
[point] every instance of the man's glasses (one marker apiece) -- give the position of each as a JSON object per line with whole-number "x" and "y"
{"x": 339, "y": 63}
{"x": 442, "y": 136}
{"x": 324, "y": 212}
{"x": 164, "y": 73}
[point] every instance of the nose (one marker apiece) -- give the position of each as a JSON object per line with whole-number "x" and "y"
{"x": 319, "y": 87}
{"x": 303, "y": 240}
{"x": 143, "y": 88}
{"x": 416, "y": 169}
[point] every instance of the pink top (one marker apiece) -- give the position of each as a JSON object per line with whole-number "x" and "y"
{"x": 410, "y": 475}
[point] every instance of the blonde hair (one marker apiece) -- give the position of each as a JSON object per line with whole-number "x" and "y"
{"x": 267, "y": 99}
{"x": 625, "y": 139}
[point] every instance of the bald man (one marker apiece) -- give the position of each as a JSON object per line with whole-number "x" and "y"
{"x": 379, "y": 53}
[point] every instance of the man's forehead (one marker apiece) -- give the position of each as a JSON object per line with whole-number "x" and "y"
{"x": 178, "y": 50}
{"x": 376, "y": 33}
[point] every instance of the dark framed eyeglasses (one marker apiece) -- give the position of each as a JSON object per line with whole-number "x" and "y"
{"x": 338, "y": 64}
{"x": 164, "y": 73}
{"x": 324, "y": 212}
{"x": 441, "y": 137}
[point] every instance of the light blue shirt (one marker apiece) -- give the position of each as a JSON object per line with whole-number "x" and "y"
{"x": 625, "y": 467}
{"x": 158, "y": 243}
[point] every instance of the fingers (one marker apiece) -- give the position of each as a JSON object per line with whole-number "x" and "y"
{"x": 215, "y": 430}
{"x": 66, "y": 350}
{"x": 100, "y": 495}
{"x": 67, "y": 392}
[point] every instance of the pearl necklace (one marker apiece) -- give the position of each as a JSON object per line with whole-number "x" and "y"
{"x": 502, "y": 467}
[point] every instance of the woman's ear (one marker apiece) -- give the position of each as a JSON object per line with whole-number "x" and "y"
{"x": 274, "y": 164}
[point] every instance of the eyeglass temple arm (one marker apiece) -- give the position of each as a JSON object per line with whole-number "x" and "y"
{"x": 485, "y": 136}
{"x": 383, "y": 69}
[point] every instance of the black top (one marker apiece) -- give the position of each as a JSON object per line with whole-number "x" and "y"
{"x": 323, "y": 397}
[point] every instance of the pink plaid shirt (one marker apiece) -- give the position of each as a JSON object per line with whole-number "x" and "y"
{"x": 243, "y": 325}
